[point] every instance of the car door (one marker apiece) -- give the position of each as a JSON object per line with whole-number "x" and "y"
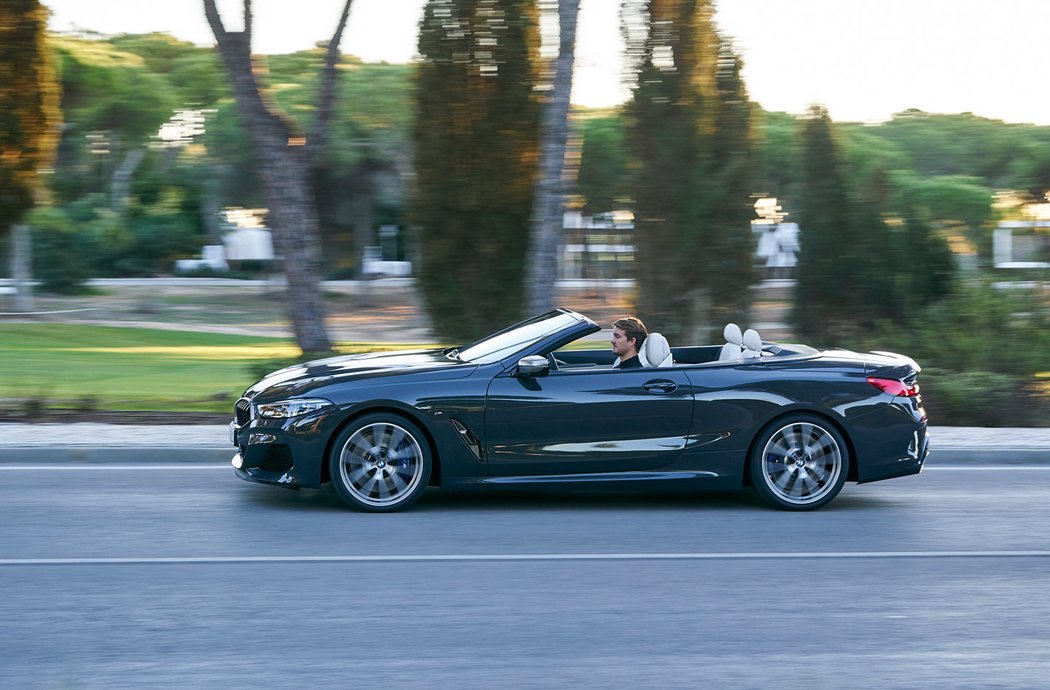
{"x": 586, "y": 420}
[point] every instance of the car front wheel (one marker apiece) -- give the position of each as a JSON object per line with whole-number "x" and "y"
{"x": 380, "y": 463}
{"x": 799, "y": 463}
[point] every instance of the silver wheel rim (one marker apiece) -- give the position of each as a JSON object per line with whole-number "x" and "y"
{"x": 801, "y": 463}
{"x": 381, "y": 464}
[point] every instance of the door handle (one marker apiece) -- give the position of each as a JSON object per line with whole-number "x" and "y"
{"x": 660, "y": 386}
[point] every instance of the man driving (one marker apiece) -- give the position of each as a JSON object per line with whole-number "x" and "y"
{"x": 628, "y": 334}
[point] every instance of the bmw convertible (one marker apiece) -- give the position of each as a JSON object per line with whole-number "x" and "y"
{"x": 539, "y": 405}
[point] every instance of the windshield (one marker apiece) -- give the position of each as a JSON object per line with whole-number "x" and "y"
{"x": 517, "y": 337}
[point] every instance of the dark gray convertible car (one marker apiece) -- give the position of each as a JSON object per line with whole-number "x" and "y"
{"x": 528, "y": 407}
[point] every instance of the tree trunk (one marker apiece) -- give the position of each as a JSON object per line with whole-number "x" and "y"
{"x": 362, "y": 220}
{"x": 286, "y": 172}
{"x": 21, "y": 267}
{"x": 211, "y": 208}
{"x": 541, "y": 269}
{"x": 120, "y": 188}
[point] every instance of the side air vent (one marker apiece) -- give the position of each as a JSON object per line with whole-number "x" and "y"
{"x": 468, "y": 438}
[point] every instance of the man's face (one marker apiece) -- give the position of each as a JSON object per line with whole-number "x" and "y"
{"x": 621, "y": 346}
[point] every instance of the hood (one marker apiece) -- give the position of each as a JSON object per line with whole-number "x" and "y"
{"x": 296, "y": 379}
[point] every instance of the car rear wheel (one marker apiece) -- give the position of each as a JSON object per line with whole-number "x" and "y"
{"x": 380, "y": 463}
{"x": 799, "y": 463}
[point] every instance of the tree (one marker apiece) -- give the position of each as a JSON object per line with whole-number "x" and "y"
{"x": 824, "y": 275}
{"x": 29, "y": 122}
{"x": 691, "y": 136}
{"x": 924, "y": 265}
{"x": 730, "y": 249}
{"x": 475, "y": 146}
{"x": 286, "y": 161}
{"x": 547, "y": 209}
{"x": 602, "y": 181}
{"x": 847, "y": 274}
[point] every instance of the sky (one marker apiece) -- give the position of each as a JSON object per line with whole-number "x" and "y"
{"x": 863, "y": 59}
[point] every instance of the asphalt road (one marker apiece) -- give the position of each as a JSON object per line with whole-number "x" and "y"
{"x": 184, "y": 576}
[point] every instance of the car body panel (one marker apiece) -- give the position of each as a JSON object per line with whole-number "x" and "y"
{"x": 587, "y": 421}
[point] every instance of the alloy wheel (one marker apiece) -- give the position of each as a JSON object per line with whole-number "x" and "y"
{"x": 381, "y": 464}
{"x": 802, "y": 463}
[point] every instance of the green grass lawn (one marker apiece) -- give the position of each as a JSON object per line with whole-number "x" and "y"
{"x": 112, "y": 368}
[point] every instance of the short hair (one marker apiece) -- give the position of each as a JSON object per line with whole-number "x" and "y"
{"x": 633, "y": 329}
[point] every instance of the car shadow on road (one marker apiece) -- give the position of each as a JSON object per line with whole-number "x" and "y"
{"x": 441, "y": 500}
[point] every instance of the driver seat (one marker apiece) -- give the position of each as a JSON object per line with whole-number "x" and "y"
{"x": 655, "y": 352}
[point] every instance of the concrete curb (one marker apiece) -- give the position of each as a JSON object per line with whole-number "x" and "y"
{"x": 132, "y": 455}
{"x": 989, "y": 456}
{"x": 203, "y": 455}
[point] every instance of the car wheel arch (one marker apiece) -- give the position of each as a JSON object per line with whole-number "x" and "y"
{"x": 851, "y": 474}
{"x": 435, "y": 474}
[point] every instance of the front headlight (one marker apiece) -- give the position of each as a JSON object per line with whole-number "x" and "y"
{"x": 291, "y": 408}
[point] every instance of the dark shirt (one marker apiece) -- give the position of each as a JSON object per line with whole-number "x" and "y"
{"x": 632, "y": 363}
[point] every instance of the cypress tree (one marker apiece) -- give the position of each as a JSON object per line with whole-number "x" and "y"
{"x": 29, "y": 113}
{"x": 691, "y": 135}
{"x": 476, "y": 134}
{"x": 730, "y": 266}
{"x": 29, "y": 121}
{"x": 854, "y": 271}
{"x": 826, "y": 260}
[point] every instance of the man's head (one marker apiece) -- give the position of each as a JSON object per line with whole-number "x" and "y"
{"x": 627, "y": 337}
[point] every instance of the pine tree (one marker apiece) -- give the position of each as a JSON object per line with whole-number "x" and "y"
{"x": 476, "y": 135}
{"x": 29, "y": 121}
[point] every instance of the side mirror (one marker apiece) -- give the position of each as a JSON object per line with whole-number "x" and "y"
{"x": 534, "y": 365}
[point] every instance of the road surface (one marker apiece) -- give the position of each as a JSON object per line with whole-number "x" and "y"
{"x": 183, "y": 576}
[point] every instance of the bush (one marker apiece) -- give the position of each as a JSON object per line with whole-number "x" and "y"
{"x": 982, "y": 398}
{"x": 981, "y": 349}
{"x": 984, "y": 328}
{"x": 61, "y": 254}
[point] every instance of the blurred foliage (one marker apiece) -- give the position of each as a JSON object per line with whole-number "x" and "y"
{"x": 983, "y": 398}
{"x": 476, "y": 139}
{"x": 119, "y": 91}
{"x": 603, "y": 181}
{"x": 823, "y": 303}
{"x": 868, "y": 252}
{"x": 86, "y": 238}
{"x": 118, "y": 94}
{"x": 105, "y": 89}
{"x": 58, "y": 250}
{"x": 690, "y": 132}
{"x": 986, "y": 328}
{"x": 29, "y": 112}
{"x": 983, "y": 352}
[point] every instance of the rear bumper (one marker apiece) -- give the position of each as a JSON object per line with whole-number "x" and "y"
{"x": 896, "y": 447}
{"x": 910, "y": 463}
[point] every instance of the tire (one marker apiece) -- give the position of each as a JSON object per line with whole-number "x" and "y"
{"x": 380, "y": 463}
{"x": 799, "y": 462}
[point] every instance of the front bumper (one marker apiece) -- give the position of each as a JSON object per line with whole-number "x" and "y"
{"x": 282, "y": 452}
{"x": 256, "y": 474}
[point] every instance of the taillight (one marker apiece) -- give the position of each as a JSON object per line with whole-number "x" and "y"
{"x": 895, "y": 387}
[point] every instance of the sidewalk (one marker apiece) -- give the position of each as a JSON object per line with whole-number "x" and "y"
{"x": 108, "y": 443}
